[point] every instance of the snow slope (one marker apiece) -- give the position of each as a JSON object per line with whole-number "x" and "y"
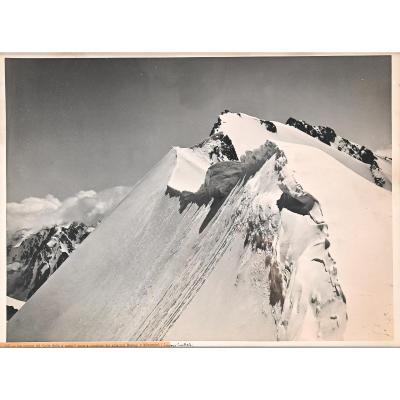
{"x": 359, "y": 216}
{"x": 189, "y": 171}
{"x": 292, "y": 242}
{"x": 357, "y": 213}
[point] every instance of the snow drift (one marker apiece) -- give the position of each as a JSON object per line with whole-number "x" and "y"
{"x": 260, "y": 232}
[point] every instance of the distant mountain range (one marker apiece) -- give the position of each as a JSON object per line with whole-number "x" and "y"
{"x": 33, "y": 257}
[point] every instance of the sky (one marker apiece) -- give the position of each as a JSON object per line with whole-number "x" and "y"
{"x": 89, "y": 124}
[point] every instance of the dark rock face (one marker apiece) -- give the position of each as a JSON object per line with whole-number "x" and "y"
{"x": 377, "y": 174}
{"x": 269, "y": 126}
{"x": 218, "y": 146}
{"x": 276, "y": 285}
{"x": 301, "y": 204}
{"x": 225, "y": 147}
{"x": 323, "y": 133}
{"x": 31, "y": 260}
{"x": 10, "y": 311}
{"x": 222, "y": 177}
{"x": 216, "y": 126}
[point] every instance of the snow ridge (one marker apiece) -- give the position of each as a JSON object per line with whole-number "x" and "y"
{"x": 328, "y": 136}
{"x": 275, "y": 276}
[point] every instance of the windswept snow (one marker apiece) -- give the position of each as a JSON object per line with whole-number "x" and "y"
{"x": 190, "y": 169}
{"x": 359, "y": 216}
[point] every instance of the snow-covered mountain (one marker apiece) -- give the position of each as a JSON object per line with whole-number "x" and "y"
{"x": 260, "y": 232}
{"x": 33, "y": 257}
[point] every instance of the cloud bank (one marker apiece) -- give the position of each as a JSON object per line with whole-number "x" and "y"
{"x": 87, "y": 206}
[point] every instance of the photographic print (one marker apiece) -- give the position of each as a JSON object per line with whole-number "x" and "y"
{"x": 211, "y": 200}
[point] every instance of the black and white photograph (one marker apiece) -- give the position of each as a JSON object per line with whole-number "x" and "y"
{"x": 199, "y": 200}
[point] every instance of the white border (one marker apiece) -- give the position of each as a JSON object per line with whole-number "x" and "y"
{"x": 395, "y": 199}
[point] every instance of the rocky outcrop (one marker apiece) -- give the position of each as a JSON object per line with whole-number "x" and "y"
{"x": 219, "y": 147}
{"x": 269, "y": 126}
{"x": 10, "y": 311}
{"x": 323, "y": 133}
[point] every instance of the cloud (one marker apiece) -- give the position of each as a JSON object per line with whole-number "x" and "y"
{"x": 86, "y": 206}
